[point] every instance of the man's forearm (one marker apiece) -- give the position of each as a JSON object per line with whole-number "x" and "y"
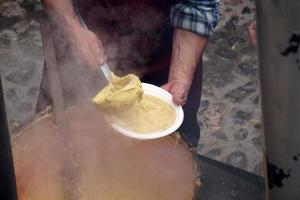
{"x": 62, "y": 12}
{"x": 187, "y": 49}
{"x": 84, "y": 44}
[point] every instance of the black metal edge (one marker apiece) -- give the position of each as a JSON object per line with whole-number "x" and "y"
{"x": 8, "y": 188}
{"x": 253, "y": 178}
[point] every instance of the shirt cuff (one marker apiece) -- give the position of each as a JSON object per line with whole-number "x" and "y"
{"x": 195, "y": 18}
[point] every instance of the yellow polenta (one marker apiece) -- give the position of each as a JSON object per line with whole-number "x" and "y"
{"x": 124, "y": 103}
{"x": 150, "y": 115}
{"x": 120, "y": 93}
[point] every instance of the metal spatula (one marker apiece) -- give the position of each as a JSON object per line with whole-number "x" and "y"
{"x": 106, "y": 71}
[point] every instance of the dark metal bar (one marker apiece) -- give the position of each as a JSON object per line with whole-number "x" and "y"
{"x": 8, "y": 190}
{"x": 278, "y": 28}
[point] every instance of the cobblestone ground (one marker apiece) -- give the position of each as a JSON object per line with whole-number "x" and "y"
{"x": 21, "y": 59}
{"x": 229, "y": 115}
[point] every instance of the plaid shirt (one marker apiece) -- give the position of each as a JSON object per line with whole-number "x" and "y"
{"x": 198, "y": 16}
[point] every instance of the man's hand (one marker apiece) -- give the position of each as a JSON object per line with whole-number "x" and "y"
{"x": 179, "y": 91}
{"x": 187, "y": 49}
{"x": 86, "y": 47}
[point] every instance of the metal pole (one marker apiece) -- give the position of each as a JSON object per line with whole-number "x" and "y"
{"x": 278, "y": 29}
{"x": 8, "y": 190}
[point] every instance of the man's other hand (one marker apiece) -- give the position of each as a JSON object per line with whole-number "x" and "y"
{"x": 86, "y": 47}
{"x": 179, "y": 91}
{"x": 187, "y": 50}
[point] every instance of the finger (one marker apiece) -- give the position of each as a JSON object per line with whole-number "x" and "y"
{"x": 89, "y": 59}
{"x": 179, "y": 96}
{"x": 101, "y": 59}
{"x": 179, "y": 99}
{"x": 95, "y": 47}
{"x": 97, "y": 54}
{"x": 166, "y": 87}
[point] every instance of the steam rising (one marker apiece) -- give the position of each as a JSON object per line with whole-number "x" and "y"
{"x": 130, "y": 36}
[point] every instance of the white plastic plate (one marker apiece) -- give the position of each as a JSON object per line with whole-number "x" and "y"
{"x": 165, "y": 96}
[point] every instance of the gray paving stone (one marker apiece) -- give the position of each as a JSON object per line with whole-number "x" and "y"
{"x": 247, "y": 68}
{"x": 203, "y": 106}
{"x": 257, "y": 126}
{"x": 256, "y": 100}
{"x": 31, "y": 92}
{"x": 239, "y": 94}
{"x": 242, "y": 117}
{"x": 257, "y": 142}
{"x": 25, "y": 107}
{"x": 237, "y": 42}
{"x": 11, "y": 9}
{"x": 220, "y": 135}
{"x": 237, "y": 159}
{"x": 11, "y": 94}
{"x": 246, "y": 10}
{"x": 219, "y": 74}
{"x": 241, "y": 134}
{"x": 232, "y": 23}
{"x": 7, "y": 37}
{"x": 226, "y": 53}
{"x": 259, "y": 169}
{"x": 214, "y": 153}
{"x": 22, "y": 75}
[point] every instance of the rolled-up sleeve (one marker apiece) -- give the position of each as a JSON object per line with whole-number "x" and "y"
{"x": 198, "y": 16}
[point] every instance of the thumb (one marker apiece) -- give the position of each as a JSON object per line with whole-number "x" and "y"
{"x": 102, "y": 58}
{"x": 166, "y": 87}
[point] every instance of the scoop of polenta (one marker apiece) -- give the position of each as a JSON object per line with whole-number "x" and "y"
{"x": 119, "y": 94}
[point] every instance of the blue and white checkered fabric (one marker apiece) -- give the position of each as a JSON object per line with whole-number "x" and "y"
{"x": 198, "y": 16}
